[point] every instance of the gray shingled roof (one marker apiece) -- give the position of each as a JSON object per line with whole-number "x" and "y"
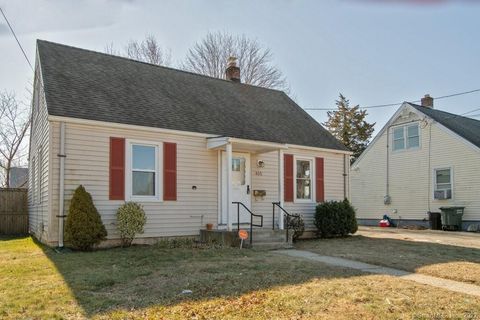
{"x": 467, "y": 128}
{"x": 96, "y": 86}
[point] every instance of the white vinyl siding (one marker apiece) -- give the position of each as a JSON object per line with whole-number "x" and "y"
{"x": 411, "y": 176}
{"x": 333, "y": 182}
{"x": 87, "y": 163}
{"x": 39, "y": 166}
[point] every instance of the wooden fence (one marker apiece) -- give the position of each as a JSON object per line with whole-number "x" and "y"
{"x": 13, "y": 211}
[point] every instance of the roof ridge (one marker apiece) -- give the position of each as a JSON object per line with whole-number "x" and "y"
{"x": 157, "y": 65}
{"x": 454, "y": 115}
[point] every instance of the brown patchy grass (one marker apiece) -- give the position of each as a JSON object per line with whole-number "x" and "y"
{"x": 439, "y": 260}
{"x": 146, "y": 283}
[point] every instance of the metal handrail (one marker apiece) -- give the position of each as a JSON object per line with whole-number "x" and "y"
{"x": 289, "y": 216}
{"x": 251, "y": 219}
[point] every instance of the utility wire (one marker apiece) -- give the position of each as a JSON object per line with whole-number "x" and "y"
{"x": 15, "y": 36}
{"x": 399, "y": 103}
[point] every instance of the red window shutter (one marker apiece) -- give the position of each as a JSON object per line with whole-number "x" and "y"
{"x": 117, "y": 169}
{"x": 319, "y": 179}
{"x": 288, "y": 177}
{"x": 169, "y": 171}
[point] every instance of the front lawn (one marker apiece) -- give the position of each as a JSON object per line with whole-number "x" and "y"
{"x": 147, "y": 282}
{"x": 453, "y": 262}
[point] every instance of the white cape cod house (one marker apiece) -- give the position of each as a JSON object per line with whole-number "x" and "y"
{"x": 183, "y": 145}
{"x": 421, "y": 160}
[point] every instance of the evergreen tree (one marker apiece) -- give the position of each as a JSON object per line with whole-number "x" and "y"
{"x": 348, "y": 125}
{"x": 84, "y": 227}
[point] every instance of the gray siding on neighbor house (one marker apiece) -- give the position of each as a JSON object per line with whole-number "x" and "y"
{"x": 411, "y": 175}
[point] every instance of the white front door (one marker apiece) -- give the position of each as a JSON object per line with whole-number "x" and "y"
{"x": 241, "y": 185}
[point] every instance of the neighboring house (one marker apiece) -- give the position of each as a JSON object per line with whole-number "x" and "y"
{"x": 183, "y": 145}
{"x": 18, "y": 177}
{"x": 421, "y": 160}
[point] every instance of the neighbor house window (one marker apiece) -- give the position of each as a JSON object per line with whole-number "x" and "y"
{"x": 303, "y": 179}
{"x": 443, "y": 179}
{"x": 406, "y": 137}
{"x": 144, "y": 170}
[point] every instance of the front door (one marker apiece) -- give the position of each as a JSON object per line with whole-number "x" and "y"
{"x": 240, "y": 187}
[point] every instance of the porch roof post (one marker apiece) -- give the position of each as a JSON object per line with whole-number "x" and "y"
{"x": 280, "y": 188}
{"x": 229, "y": 185}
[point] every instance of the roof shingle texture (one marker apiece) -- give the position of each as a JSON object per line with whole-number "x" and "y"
{"x": 467, "y": 128}
{"x": 91, "y": 85}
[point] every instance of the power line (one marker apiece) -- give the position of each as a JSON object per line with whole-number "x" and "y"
{"x": 399, "y": 103}
{"x": 470, "y": 112}
{"x": 15, "y": 36}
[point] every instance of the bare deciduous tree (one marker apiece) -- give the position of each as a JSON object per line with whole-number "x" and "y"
{"x": 14, "y": 123}
{"x": 210, "y": 55}
{"x": 148, "y": 50}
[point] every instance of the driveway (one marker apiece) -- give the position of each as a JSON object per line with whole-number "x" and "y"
{"x": 463, "y": 239}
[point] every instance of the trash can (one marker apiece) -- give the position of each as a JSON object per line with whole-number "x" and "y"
{"x": 452, "y": 218}
{"x": 435, "y": 220}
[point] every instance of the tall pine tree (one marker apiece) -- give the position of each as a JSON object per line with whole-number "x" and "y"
{"x": 348, "y": 125}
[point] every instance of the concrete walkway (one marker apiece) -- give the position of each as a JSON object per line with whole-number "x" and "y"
{"x": 370, "y": 268}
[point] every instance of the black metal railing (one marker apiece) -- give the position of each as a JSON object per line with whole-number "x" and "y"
{"x": 251, "y": 219}
{"x": 289, "y": 218}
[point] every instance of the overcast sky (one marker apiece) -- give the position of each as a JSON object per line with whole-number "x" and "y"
{"x": 374, "y": 52}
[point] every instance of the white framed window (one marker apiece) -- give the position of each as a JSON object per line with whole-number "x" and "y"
{"x": 303, "y": 179}
{"x": 143, "y": 171}
{"x": 406, "y": 137}
{"x": 443, "y": 179}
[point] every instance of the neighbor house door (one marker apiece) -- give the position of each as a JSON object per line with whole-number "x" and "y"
{"x": 241, "y": 185}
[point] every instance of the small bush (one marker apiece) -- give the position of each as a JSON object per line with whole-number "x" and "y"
{"x": 84, "y": 227}
{"x": 130, "y": 221}
{"x": 296, "y": 224}
{"x": 335, "y": 218}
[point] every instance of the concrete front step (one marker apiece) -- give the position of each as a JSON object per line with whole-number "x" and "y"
{"x": 263, "y": 239}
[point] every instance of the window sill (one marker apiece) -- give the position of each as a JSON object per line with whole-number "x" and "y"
{"x": 144, "y": 199}
{"x": 307, "y": 201}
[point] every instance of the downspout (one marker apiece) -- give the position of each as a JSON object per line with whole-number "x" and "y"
{"x": 62, "y": 157}
{"x": 387, "y": 182}
{"x": 345, "y": 176}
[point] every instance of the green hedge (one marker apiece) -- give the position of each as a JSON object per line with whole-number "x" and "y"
{"x": 335, "y": 218}
{"x": 84, "y": 227}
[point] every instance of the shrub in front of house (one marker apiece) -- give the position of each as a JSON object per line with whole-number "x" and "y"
{"x": 84, "y": 227}
{"x": 130, "y": 221}
{"x": 335, "y": 219}
{"x": 296, "y": 224}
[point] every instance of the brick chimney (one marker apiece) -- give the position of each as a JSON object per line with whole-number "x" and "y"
{"x": 232, "y": 72}
{"x": 427, "y": 101}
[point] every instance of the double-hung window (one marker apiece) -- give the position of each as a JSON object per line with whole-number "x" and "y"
{"x": 303, "y": 179}
{"x": 443, "y": 179}
{"x": 406, "y": 137}
{"x": 144, "y": 171}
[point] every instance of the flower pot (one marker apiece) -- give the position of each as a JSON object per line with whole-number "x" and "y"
{"x": 209, "y": 226}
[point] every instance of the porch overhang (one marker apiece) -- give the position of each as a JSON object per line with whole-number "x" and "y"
{"x": 253, "y": 146}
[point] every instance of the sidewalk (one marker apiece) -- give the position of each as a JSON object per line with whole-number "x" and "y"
{"x": 370, "y": 268}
